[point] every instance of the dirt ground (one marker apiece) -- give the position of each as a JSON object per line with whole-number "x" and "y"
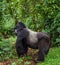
{"x": 23, "y": 63}
{"x": 5, "y": 63}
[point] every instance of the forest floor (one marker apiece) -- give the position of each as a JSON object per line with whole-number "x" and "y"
{"x": 53, "y": 58}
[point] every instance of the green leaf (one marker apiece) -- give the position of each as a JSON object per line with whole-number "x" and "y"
{"x": 58, "y": 29}
{"x": 58, "y": 40}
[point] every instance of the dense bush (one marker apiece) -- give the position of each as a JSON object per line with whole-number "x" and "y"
{"x": 7, "y": 50}
{"x": 39, "y": 15}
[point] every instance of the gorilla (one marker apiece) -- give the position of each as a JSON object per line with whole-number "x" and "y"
{"x": 27, "y": 38}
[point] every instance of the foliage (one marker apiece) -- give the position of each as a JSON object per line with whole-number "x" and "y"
{"x": 42, "y": 15}
{"x": 7, "y": 50}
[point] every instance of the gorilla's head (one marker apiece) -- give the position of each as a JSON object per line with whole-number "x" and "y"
{"x": 19, "y": 26}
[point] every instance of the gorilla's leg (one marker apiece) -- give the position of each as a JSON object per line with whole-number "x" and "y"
{"x": 40, "y": 56}
{"x": 20, "y": 51}
{"x": 43, "y": 47}
{"x": 26, "y": 49}
{"x": 25, "y": 46}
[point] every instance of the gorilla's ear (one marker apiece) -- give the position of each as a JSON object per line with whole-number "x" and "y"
{"x": 22, "y": 34}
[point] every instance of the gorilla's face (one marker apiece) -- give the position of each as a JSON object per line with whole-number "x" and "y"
{"x": 19, "y": 26}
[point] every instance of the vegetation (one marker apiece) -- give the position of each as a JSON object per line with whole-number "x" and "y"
{"x": 6, "y": 51}
{"x": 42, "y": 15}
{"x": 38, "y": 15}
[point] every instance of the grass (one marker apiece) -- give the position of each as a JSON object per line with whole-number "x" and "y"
{"x": 53, "y": 57}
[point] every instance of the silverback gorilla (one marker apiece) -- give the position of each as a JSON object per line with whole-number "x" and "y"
{"x": 28, "y": 38}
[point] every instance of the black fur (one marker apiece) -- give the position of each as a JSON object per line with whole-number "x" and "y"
{"x": 23, "y": 41}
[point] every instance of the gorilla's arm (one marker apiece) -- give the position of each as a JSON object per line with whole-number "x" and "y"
{"x": 19, "y": 47}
